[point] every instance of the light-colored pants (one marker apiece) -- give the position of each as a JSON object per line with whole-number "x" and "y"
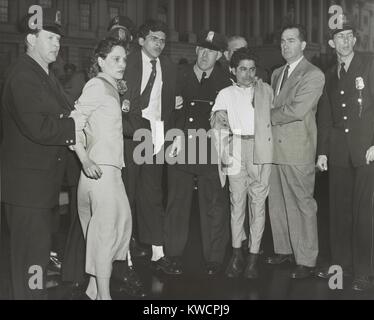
{"x": 251, "y": 181}
{"x": 105, "y": 215}
{"x": 293, "y": 212}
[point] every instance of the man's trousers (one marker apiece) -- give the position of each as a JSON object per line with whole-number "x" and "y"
{"x": 214, "y": 213}
{"x": 30, "y": 245}
{"x": 253, "y": 182}
{"x": 352, "y": 218}
{"x": 293, "y": 212}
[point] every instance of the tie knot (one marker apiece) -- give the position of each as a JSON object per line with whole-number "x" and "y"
{"x": 203, "y": 76}
{"x": 153, "y": 62}
{"x": 342, "y": 64}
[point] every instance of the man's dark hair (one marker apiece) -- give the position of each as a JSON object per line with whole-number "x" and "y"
{"x": 154, "y": 26}
{"x": 242, "y": 54}
{"x": 301, "y": 28}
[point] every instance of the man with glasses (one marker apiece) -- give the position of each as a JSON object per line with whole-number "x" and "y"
{"x": 148, "y": 105}
{"x": 346, "y": 150}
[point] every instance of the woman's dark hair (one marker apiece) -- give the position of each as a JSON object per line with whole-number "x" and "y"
{"x": 242, "y": 54}
{"x": 102, "y": 50}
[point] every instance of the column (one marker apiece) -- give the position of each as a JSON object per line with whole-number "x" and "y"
{"x": 297, "y": 12}
{"x": 206, "y": 14}
{"x": 248, "y": 13}
{"x": 322, "y": 22}
{"x": 237, "y": 17}
{"x": 309, "y": 20}
{"x": 284, "y": 9}
{"x": 130, "y": 9}
{"x": 256, "y": 26}
{"x": 271, "y": 16}
{"x": 222, "y": 14}
{"x": 173, "y": 34}
{"x": 102, "y": 19}
{"x": 140, "y": 9}
{"x": 73, "y": 16}
{"x": 191, "y": 35}
{"x": 154, "y": 9}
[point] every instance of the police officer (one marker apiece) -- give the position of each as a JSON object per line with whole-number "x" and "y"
{"x": 123, "y": 28}
{"x": 198, "y": 85}
{"x": 345, "y": 148}
{"x": 38, "y": 127}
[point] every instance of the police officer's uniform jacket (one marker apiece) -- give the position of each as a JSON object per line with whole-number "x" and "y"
{"x": 37, "y": 131}
{"x": 346, "y": 129}
{"x": 199, "y": 99}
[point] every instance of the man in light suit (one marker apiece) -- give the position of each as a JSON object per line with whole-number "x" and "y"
{"x": 297, "y": 86}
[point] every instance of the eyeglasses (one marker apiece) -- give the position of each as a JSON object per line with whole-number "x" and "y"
{"x": 156, "y": 39}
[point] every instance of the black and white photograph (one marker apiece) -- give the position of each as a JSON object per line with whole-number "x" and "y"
{"x": 200, "y": 152}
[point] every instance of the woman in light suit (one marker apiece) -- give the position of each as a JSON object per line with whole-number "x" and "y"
{"x": 103, "y": 206}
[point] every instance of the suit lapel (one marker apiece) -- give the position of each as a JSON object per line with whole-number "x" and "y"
{"x": 292, "y": 80}
{"x": 52, "y": 83}
{"x": 276, "y": 79}
{"x": 164, "y": 93}
{"x": 137, "y": 72}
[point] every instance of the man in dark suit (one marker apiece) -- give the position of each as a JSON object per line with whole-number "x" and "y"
{"x": 148, "y": 105}
{"x": 199, "y": 85}
{"x": 37, "y": 130}
{"x": 346, "y": 144}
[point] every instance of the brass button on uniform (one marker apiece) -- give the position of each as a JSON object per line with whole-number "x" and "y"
{"x": 346, "y": 130}
{"x": 344, "y": 105}
{"x": 190, "y": 119}
{"x": 192, "y": 103}
{"x": 342, "y": 92}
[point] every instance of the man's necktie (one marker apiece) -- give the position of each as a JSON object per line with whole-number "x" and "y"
{"x": 146, "y": 94}
{"x": 285, "y": 77}
{"x": 342, "y": 71}
{"x": 203, "y": 78}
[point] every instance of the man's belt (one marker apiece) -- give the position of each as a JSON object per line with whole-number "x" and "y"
{"x": 245, "y": 136}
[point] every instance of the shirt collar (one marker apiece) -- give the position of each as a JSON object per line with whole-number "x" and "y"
{"x": 199, "y": 72}
{"x": 111, "y": 80}
{"x": 147, "y": 59}
{"x": 347, "y": 61}
{"x": 294, "y": 64}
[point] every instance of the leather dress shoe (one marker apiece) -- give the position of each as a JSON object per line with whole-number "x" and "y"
{"x": 301, "y": 272}
{"x": 251, "y": 270}
{"x": 137, "y": 250}
{"x": 129, "y": 288}
{"x": 213, "y": 268}
{"x": 236, "y": 265}
{"x": 362, "y": 283}
{"x": 324, "y": 273}
{"x": 279, "y": 259}
{"x": 131, "y": 276}
{"x": 54, "y": 265}
{"x": 76, "y": 291}
{"x": 166, "y": 265}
